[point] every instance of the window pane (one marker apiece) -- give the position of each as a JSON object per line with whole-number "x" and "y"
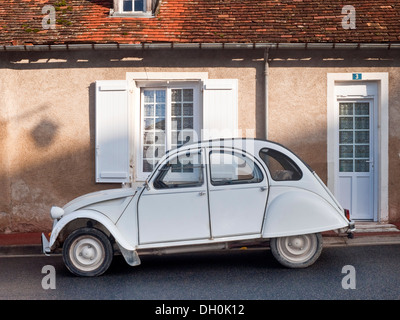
{"x": 280, "y": 166}
{"x": 362, "y": 122}
{"x": 346, "y": 152}
{"x": 182, "y": 171}
{"x": 148, "y": 110}
{"x": 346, "y": 165}
{"x": 362, "y": 136}
{"x": 362, "y": 166}
{"x": 139, "y": 5}
{"x": 228, "y": 168}
{"x": 362, "y": 108}
{"x": 127, "y": 5}
{"x": 346, "y": 123}
{"x": 176, "y": 95}
{"x": 188, "y": 95}
{"x": 345, "y": 109}
{"x": 346, "y": 137}
{"x": 362, "y": 151}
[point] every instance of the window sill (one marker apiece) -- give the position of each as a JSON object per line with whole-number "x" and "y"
{"x": 147, "y": 14}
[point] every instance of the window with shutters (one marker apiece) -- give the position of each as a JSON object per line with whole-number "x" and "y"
{"x": 161, "y": 111}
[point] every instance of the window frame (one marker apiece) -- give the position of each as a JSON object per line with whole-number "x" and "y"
{"x": 140, "y": 174}
{"x": 118, "y": 9}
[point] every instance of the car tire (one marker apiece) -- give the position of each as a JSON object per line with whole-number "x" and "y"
{"x": 298, "y": 251}
{"x": 87, "y": 252}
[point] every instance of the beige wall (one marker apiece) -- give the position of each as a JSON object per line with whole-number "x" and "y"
{"x": 47, "y": 114}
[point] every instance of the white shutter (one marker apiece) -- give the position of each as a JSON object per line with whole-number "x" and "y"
{"x": 112, "y": 131}
{"x": 220, "y": 109}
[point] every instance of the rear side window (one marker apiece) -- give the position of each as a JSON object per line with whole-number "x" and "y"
{"x": 281, "y": 167}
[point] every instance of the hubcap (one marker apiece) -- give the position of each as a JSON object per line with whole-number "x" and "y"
{"x": 87, "y": 253}
{"x": 297, "y": 248}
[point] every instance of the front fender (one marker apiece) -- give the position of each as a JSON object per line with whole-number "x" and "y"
{"x": 92, "y": 215}
{"x": 293, "y": 211}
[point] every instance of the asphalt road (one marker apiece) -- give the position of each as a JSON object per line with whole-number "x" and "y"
{"x": 237, "y": 275}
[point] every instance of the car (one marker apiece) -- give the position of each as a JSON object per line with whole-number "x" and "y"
{"x": 209, "y": 195}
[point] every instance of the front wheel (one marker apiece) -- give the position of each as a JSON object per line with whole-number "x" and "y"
{"x": 298, "y": 251}
{"x": 87, "y": 252}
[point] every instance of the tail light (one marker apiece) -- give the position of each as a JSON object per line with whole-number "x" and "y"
{"x": 347, "y": 214}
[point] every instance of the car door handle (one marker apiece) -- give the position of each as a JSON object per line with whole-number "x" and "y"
{"x": 202, "y": 193}
{"x": 263, "y": 188}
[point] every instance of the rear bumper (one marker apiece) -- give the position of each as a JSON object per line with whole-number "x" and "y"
{"x": 45, "y": 245}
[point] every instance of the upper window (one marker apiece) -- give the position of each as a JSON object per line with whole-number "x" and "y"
{"x": 133, "y": 7}
{"x": 281, "y": 167}
{"x": 233, "y": 168}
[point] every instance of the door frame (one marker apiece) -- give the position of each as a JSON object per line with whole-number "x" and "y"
{"x": 381, "y": 104}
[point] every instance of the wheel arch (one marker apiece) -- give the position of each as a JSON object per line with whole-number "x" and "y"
{"x": 86, "y": 218}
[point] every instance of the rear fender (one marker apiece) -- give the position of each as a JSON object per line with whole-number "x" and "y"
{"x": 293, "y": 211}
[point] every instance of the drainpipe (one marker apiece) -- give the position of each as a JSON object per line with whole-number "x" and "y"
{"x": 266, "y": 69}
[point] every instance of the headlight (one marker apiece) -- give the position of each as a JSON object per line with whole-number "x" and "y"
{"x": 56, "y": 212}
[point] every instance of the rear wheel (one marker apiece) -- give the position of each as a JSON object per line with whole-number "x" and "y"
{"x": 87, "y": 252}
{"x": 298, "y": 251}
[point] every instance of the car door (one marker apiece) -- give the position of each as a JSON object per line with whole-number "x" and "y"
{"x": 175, "y": 206}
{"x": 238, "y": 191}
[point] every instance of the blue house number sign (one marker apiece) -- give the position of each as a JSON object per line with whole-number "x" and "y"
{"x": 357, "y": 76}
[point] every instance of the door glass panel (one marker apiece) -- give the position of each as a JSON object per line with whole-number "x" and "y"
{"x": 362, "y": 122}
{"x": 354, "y": 137}
{"x": 346, "y": 165}
{"x": 182, "y": 171}
{"x": 228, "y": 168}
{"x": 362, "y": 108}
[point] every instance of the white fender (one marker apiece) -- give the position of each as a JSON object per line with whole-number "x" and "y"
{"x": 293, "y": 211}
{"x": 93, "y": 215}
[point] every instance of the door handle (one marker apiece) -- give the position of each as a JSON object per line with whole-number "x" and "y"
{"x": 263, "y": 188}
{"x": 202, "y": 193}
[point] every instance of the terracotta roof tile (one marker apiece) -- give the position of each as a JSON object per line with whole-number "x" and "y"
{"x": 206, "y": 21}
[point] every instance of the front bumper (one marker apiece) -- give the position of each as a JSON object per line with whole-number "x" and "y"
{"x": 45, "y": 245}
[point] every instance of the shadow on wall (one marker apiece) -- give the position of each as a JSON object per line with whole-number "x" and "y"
{"x": 39, "y": 172}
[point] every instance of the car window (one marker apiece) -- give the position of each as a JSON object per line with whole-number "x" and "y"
{"x": 233, "y": 168}
{"x": 281, "y": 167}
{"x": 182, "y": 171}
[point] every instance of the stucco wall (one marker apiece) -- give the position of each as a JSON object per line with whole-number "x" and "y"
{"x": 47, "y": 114}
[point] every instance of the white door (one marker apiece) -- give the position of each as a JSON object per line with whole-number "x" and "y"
{"x": 237, "y": 194}
{"x": 355, "y": 187}
{"x": 175, "y": 207}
